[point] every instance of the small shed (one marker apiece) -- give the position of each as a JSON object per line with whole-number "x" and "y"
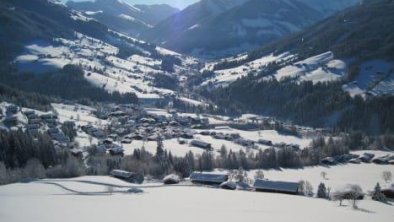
{"x": 389, "y": 193}
{"x": 328, "y": 161}
{"x": 276, "y": 186}
{"x": 208, "y": 178}
{"x": 228, "y": 185}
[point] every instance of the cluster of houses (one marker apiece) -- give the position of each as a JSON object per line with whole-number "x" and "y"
{"x": 34, "y": 123}
{"x": 357, "y": 159}
{"x": 131, "y": 122}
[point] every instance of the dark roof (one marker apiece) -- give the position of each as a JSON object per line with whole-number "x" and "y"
{"x": 208, "y": 177}
{"x": 200, "y": 143}
{"x": 276, "y": 186}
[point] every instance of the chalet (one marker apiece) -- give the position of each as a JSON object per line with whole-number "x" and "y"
{"x": 113, "y": 136}
{"x": 116, "y": 151}
{"x": 244, "y": 142}
{"x": 355, "y": 161}
{"x": 33, "y": 126}
{"x": 98, "y": 133}
{"x": 205, "y": 133}
{"x": 127, "y": 176}
{"x": 33, "y": 132}
{"x": 77, "y": 153}
{"x": 219, "y": 136}
{"x": 367, "y": 157}
{"x": 35, "y": 121}
{"x": 12, "y": 109}
{"x": 276, "y": 186}
{"x": 265, "y": 142}
{"x": 29, "y": 114}
{"x": 381, "y": 160}
{"x": 10, "y": 120}
{"x": 48, "y": 116}
{"x": 201, "y": 144}
{"x": 328, "y": 161}
{"x": 208, "y": 178}
{"x": 187, "y": 135}
{"x": 126, "y": 141}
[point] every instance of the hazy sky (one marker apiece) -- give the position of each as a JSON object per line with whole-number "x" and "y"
{"x": 176, "y": 3}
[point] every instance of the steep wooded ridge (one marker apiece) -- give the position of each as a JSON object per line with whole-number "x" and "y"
{"x": 362, "y": 37}
{"x": 24, "y": 21}
{"x": 214, "y": 28}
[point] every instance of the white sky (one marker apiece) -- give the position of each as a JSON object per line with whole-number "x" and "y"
{"x": 181, "y": 4}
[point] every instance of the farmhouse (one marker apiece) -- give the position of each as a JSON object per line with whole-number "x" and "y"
{"x": 208, "y": 178}
{"x": 201, "y": 144}
{"x": 276, "y": 186}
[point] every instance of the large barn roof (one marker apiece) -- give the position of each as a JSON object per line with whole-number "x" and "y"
{"x": 208, "y": 177}
{"x": 276, "y": 186}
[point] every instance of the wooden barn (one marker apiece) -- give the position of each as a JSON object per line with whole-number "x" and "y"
{"x": 208, "y": 178}
{"x": 276, "y": 187}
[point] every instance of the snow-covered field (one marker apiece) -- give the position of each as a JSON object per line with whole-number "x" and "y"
{"x": 228, "y": 76}
{"x": 87, "y": 199}
{"x": 320, "y": 68}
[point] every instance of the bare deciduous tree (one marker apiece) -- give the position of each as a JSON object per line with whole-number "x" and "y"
{"x": 323, "y": 174}
{"x": 387, "y": 176}
{"x": 305, "y": 188}
{"x": 110, "y": 190}
{"x": 259, "y": 175}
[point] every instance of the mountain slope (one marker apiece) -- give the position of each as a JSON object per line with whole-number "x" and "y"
{"x": 24, "y": 21}
{"x": 315, "y": 73}
{"x": 244, "y": 26}
{"x": 49, "y": 39}
{"x": 123, "y": 17}
{"x": 189, "y": 17}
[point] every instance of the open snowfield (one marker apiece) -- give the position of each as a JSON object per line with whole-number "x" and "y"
{"x": 376, "y": 77}
{"x": 319, "y": 68}
{"x": 228, "y": 76}
{"x": 87, "y": 199}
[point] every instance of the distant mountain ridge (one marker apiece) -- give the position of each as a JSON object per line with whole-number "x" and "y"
{"x": 241, "y": 27}
{"x": 122, "y": 16}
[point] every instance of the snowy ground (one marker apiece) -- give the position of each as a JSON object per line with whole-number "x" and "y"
{"x": 87, "y": 199}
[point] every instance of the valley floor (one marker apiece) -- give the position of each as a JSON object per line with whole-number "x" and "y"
{"x": 87, "y": 199}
